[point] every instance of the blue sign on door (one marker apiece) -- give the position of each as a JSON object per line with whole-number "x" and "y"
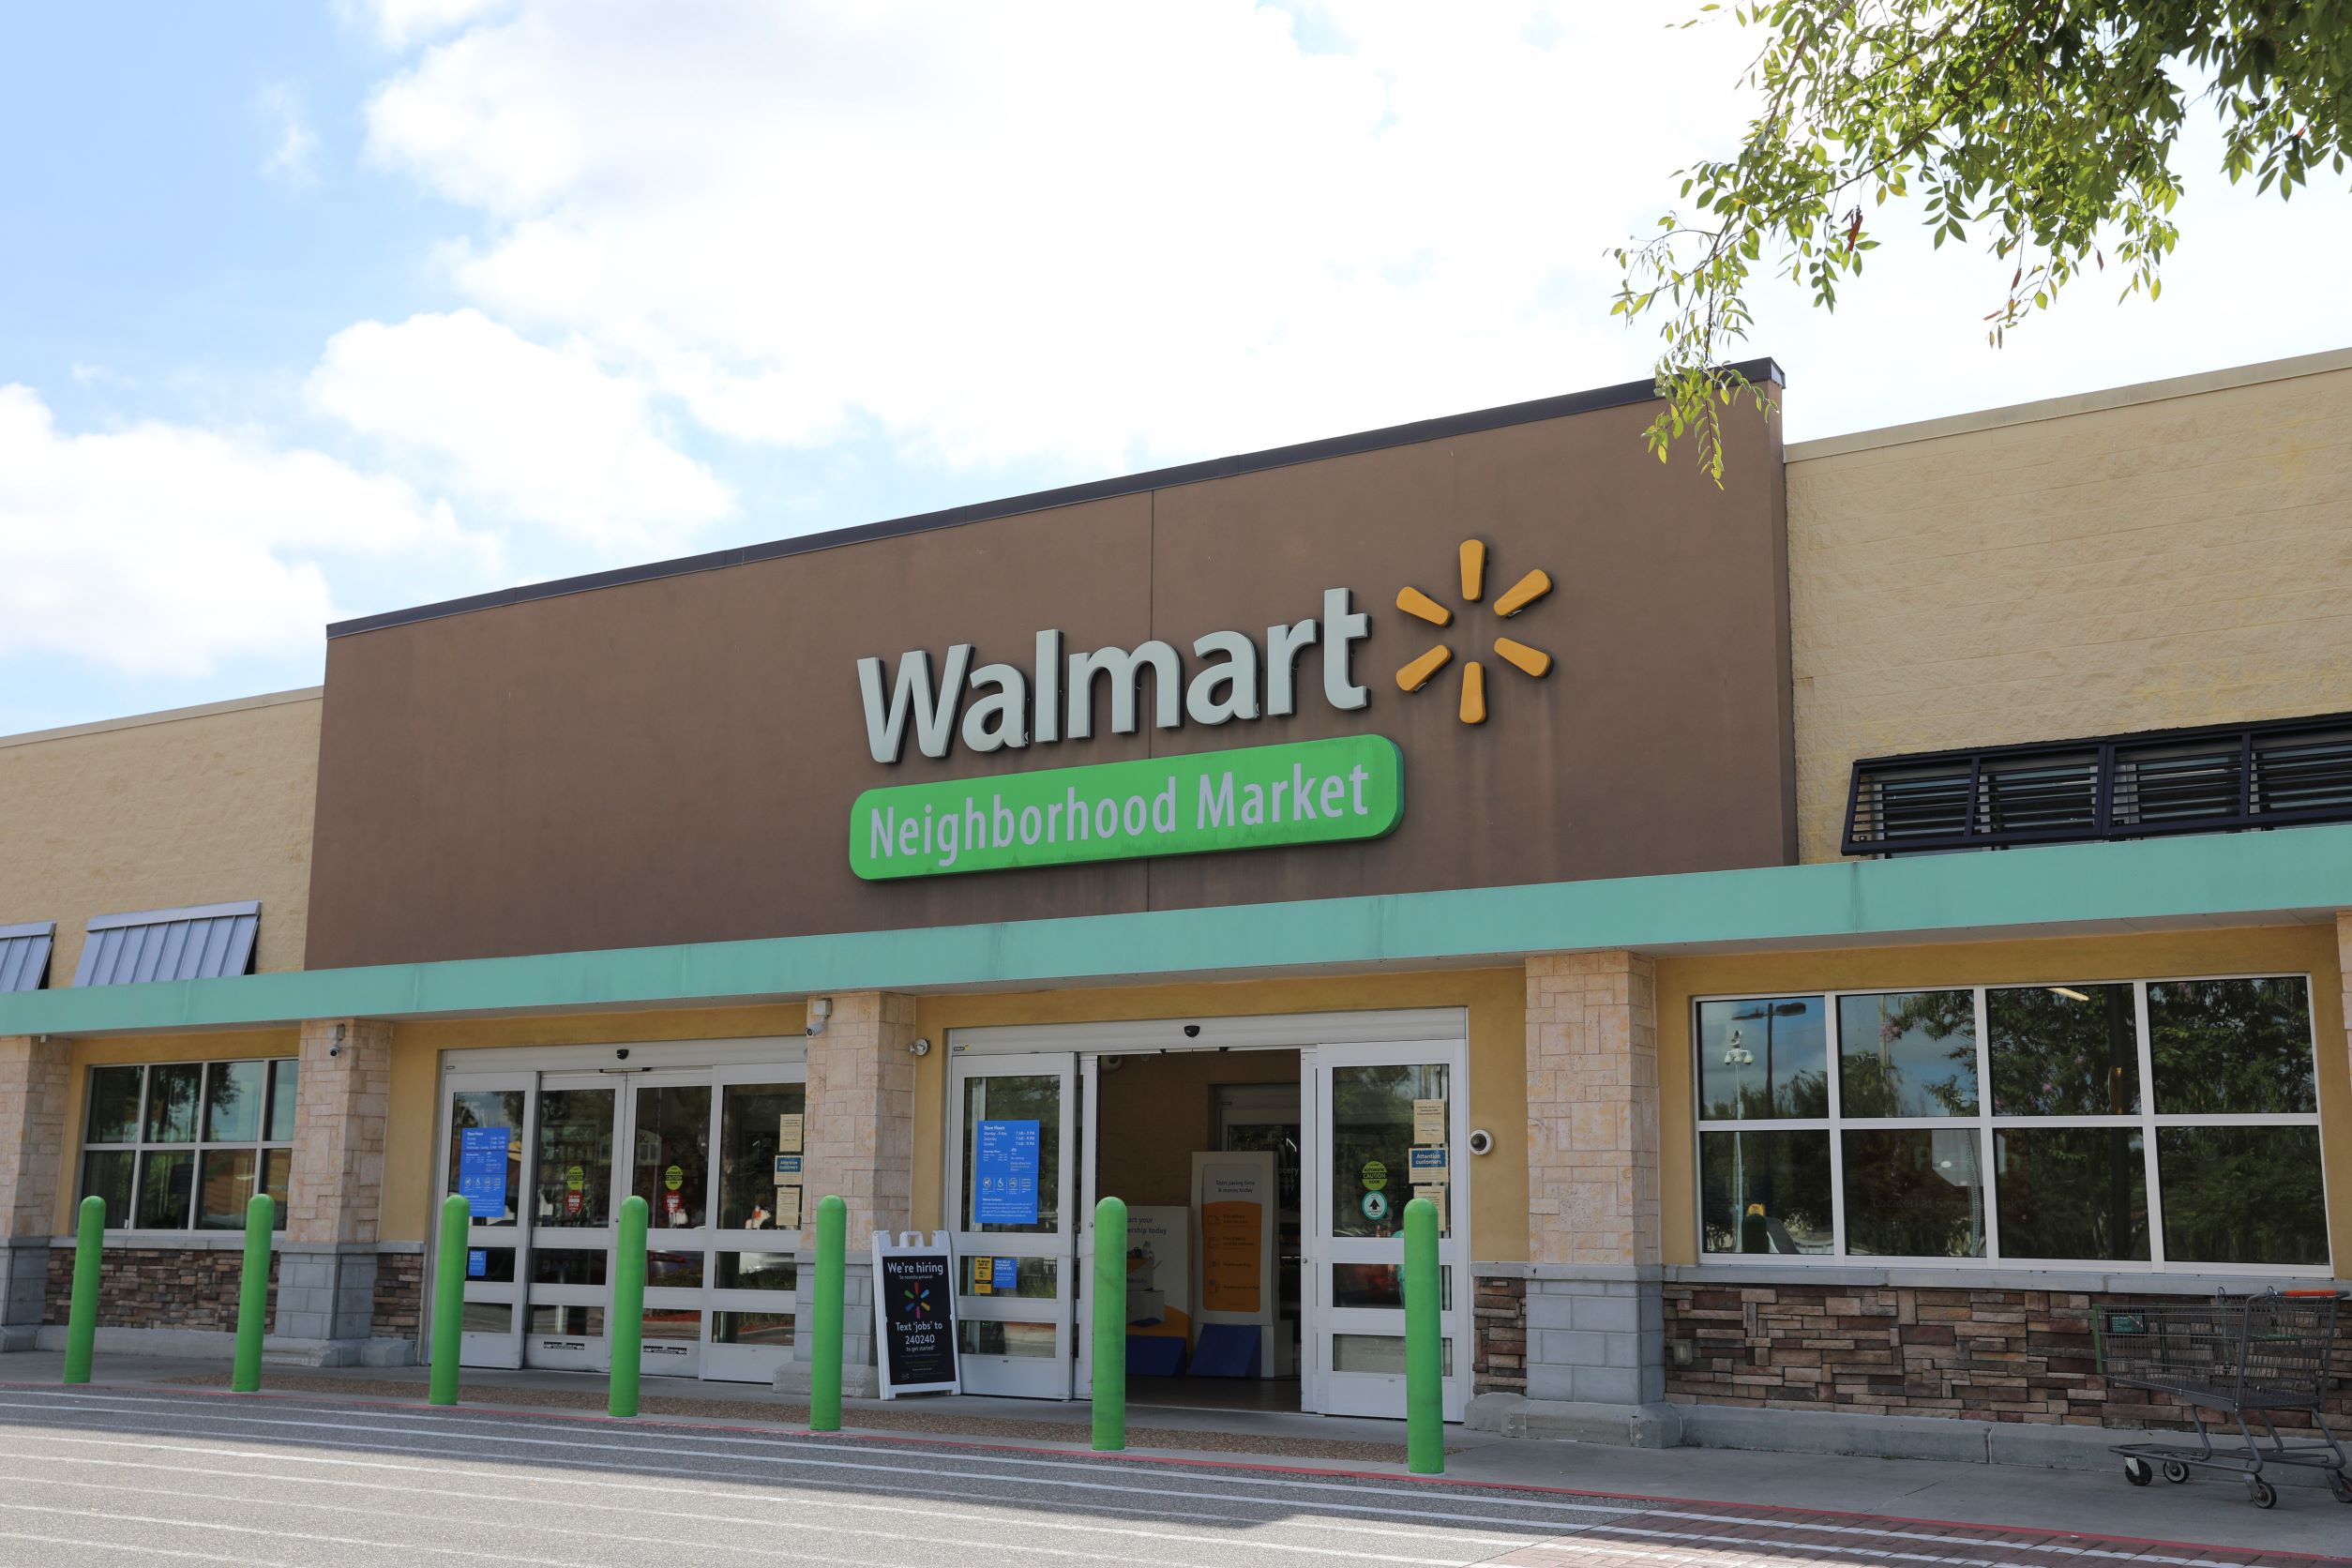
{"x": 482, "y": 1171}
{"x": 1004, "y": 1273}
{"x": 1004, "y": 1174}
{"x": 477, "y": 1263}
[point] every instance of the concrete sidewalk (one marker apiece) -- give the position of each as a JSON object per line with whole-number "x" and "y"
{"x": 2208, "y": 1511}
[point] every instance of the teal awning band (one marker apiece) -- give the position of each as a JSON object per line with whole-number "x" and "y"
{"x": 2236, "y": 879}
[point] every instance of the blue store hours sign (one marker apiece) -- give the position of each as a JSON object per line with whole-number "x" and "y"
{"x": 482, "y": 1170}
{"x": 1004, "y": 1174}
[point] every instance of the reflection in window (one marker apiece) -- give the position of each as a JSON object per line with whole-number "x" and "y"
{"x": 674, "y": 1151}
{"x": 574, "y": 1168}
{"x": 2083, "y": 1083}
{"x": 1907, "y": 1053}
{"x": 180, "y": 1145}
{"x": 2242, "y": 1194}
{"x": 1914, "y": 1193}
{"x": 1028, "y": 1098}
{"x": 1765, "y": 1191}
{"x": 2071, "y": 1192}
{"x": 1762, "y": 1060}
{"x": 749, "y": 1121}
{"x": 1372, "y": 1142}
{"x": 2064, "y": 1050}
{"x": 2238, "y": 1048}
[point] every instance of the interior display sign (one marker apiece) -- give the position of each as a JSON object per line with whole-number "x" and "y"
{"x": 915, "y": 1314}
{"x": 1350, "y": 786}
{"x": 1004, "y": 1174}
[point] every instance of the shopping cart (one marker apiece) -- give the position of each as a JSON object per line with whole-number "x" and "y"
{"x": 2253, "y": 1355}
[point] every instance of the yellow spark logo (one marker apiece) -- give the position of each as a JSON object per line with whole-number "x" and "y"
{"x": 1525, "y": 591}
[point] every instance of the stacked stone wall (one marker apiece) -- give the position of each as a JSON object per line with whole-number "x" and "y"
{"x": 1499, "y": 1317}
{"x": 158, "y": 1288}
{"x": 400, "y": 1304}
{"x": 1984, "y": 1355}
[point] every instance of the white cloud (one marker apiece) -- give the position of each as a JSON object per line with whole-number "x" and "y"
{"x": 1100, "y": 236}
{"x": 403, "y": 22}
{"x": 1100, "y": 233}
{"x": 158, "y": 549}
{"x": 294, "y": 159}
{"x": 538, "y": 434}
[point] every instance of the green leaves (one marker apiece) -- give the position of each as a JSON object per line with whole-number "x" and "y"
{"x": 2048, "y": 126}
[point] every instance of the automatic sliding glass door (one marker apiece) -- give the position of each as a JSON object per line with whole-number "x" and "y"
{"x": 487, "y": 1116}
{"x": 571, "y": 1225}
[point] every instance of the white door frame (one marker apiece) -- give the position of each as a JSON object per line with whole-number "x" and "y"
{"x": 1370, "y": 1393}
{"x": 498, "y": 1350}
{"x": 1033, "y": 1376}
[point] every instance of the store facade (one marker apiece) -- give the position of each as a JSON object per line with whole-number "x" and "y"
{"x": 1815, "y": 937}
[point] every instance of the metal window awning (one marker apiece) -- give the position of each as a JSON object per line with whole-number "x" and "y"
{"x": 24, "y": 954}
{"x": 210, "y": 942}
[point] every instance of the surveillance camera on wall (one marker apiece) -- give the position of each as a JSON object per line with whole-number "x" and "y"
{"x": 620, "y": 1055}
{"x": 1482, "y": 1141}
{"x": 1192, "y": 1031}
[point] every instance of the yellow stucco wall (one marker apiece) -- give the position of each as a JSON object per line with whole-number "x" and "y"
{"x": 2262, "y": 950}
{"x": 202, "y": 806}
{"x": 2177, "y": 560}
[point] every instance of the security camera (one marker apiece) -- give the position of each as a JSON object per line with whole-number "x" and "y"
{"x": 1192, "y": 1031}
{"x": 622, "y": 1055}
{"x": 1482, "y": 1141}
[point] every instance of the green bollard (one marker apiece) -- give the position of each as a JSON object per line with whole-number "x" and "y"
{"x": 1424, "y": 1401}
{"x": 449, "y": 1300}
{"x": 628, "y": 1308}
{"x": 82, "y": 1324}
{"x": 261, "y": 1220}
{"x": 824, "y": 1342}
{"x": 1110, "y": 1325}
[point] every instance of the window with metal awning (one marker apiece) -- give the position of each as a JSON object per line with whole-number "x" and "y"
{"x": 24, "y": 954}
{"x": 209, "y": 941}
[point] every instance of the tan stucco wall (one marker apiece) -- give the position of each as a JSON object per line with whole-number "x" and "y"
{"x": 2174, "y": 554}
{"x": 2310, "y": 950}
{"x": 200, "y": 806}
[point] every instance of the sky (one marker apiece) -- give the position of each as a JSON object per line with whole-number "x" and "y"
{"x": 313, "y": 311}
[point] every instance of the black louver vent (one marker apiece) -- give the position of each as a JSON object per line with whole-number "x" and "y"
{"x": 2123, "y": 787}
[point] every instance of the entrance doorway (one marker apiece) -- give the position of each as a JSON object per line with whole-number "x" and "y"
{"x": 544, "y": 1159}
{"x": 1330, "y": 1108}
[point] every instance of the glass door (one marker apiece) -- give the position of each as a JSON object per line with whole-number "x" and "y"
{"x": 1011, "y": 1201}
{"x": 487, "y": 1116}
{"x": 669, "y": 1140}
{"x": 756, "y": 1233}
{"x": 572, "y": 1218}
{"x": 1379, "y": 1113}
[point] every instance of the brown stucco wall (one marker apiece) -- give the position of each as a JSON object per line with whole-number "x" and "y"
{"x": 2140, "y": 559}
{"x": 674, "y": 760}
{"x": 198, "y": 806}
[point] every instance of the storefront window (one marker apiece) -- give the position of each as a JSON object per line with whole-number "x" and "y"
{"x": 1018, "y": 1100}
{"x": 485, "y": 1168}
{"x": 176, "y": 1146}
{"x": 2071, "y": 1162}
{"x": 1763, "y": 1060}
{"x": 754, "y": 1119}
{"x": 1907, "y": 1053}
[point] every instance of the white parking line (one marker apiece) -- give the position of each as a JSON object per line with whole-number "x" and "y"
{"x": 899, "y": 1511}
{"x": 1353, "y": 1528}
{"x": 288, "y": 1535}
{"x": 242, "y": 1559}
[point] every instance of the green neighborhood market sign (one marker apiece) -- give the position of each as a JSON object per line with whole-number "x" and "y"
{"x": 1252, "y": 797}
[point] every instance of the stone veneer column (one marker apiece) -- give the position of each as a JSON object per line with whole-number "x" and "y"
{"x": 326, "y": 1255}
{"x": 1595, "y": 1320}
{"x": 860, "y": 1135}
{"x": 33, "y": 1079}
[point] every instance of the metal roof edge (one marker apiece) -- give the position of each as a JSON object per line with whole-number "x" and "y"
{"x": 2244, "y": 879}
{"x": 164, "y": 917}
{"x": 1442, "y": 427}
{"x": 29, "y": 928}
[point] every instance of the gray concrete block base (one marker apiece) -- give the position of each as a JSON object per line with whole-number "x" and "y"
{"x": 1515, "y": 1415}
{"x": 277, "y": 1350}
{"x": 857, "y": 1382}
